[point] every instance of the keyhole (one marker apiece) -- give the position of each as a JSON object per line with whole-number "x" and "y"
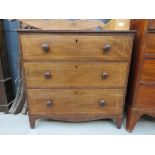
{"x": 76, "y": 67}
{"x": 76, "y": 40}
{"x": 76, "y": 92}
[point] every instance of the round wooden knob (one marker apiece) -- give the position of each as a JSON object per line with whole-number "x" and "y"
{"x": 45, "y": 47}
{"x": 106, "y": 47}
{"x": 102, "y": 102}
{"x": 105, "y": 75}
{"x": 47, "y": 75}
{"x": 49, "y": 103}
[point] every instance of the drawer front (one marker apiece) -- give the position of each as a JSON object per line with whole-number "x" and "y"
{"x": 146, "y": 97}
{"x": 148, "y": 70}
{"x": 150, "y": 45}
{"x": 75, "y": 74}
{"x": 152, "y": 24}
{"x": 75, "y": 47}
{"x": 74, "y": 101}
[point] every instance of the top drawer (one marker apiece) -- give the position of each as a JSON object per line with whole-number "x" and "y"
{"x": 152, "y": 24}
{"x": 75, "y": 47}
{"x": 150, "y": 46}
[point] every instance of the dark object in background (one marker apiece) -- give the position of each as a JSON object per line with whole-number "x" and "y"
{"x": 12, "y": 49}
{"x": 6, "y": 90}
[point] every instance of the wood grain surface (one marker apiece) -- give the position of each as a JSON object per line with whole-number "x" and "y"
{"x": 76, "y": 74}
{"x": 148, "y": 71}
{"x": 73, "y": 47}
{"x": 141, "y": 88}
{"x": 149, "y": 51}
{"x": 74, "y": 101}
{"x": 146, "y": 98}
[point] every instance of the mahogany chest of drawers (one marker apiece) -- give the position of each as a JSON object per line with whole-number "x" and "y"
{"x": 76, "y": 75}
{"x": 141, "y": 90}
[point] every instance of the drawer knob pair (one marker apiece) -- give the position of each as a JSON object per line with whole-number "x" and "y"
{"x": 106, "y": 47}
{"x": 47, "y": 75}
{"x": 104, "y": 75}
{"x": 102, "y": 103}
{"x": 45, "y": 47}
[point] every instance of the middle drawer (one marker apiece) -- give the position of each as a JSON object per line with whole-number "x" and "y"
{"x": 76, "y": 74}
{"x": 148, "y": 70}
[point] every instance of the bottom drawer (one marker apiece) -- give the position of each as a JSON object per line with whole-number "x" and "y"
{"x": 75, "y": 101}
{"x": 146, "y": 97}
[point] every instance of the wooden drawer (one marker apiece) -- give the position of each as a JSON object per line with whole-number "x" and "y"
{"x": 75, "y": 101}
{"x": 75, "y": 47}
{"x": 148, "y": 70}
{"x": 146, "y": 97}
{"x": 150, "y": 45}
{"x": 75, "y": 74}
{"x": 152, "y": 24}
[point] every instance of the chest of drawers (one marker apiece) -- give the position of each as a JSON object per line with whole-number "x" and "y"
{"x": 141, "y": 90}
{"x": 76, "y": 75}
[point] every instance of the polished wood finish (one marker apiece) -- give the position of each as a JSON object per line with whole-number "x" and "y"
{"x": 141, "y": 87}
{"x": 77, "y": 118}
{"x": 149, "y": 51}
{"x": 88, "y": 32}
{"x": 150, "y": 43}
{"x": 76, "y": 75}
{"x": 132, "y": 117}
{"x": 75, "y": 46}
{"x": 75, "y": 101}
{"x": 146, "y": 97}
{"x": 152, "y": 24}
{"x": 148, "y": 71}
